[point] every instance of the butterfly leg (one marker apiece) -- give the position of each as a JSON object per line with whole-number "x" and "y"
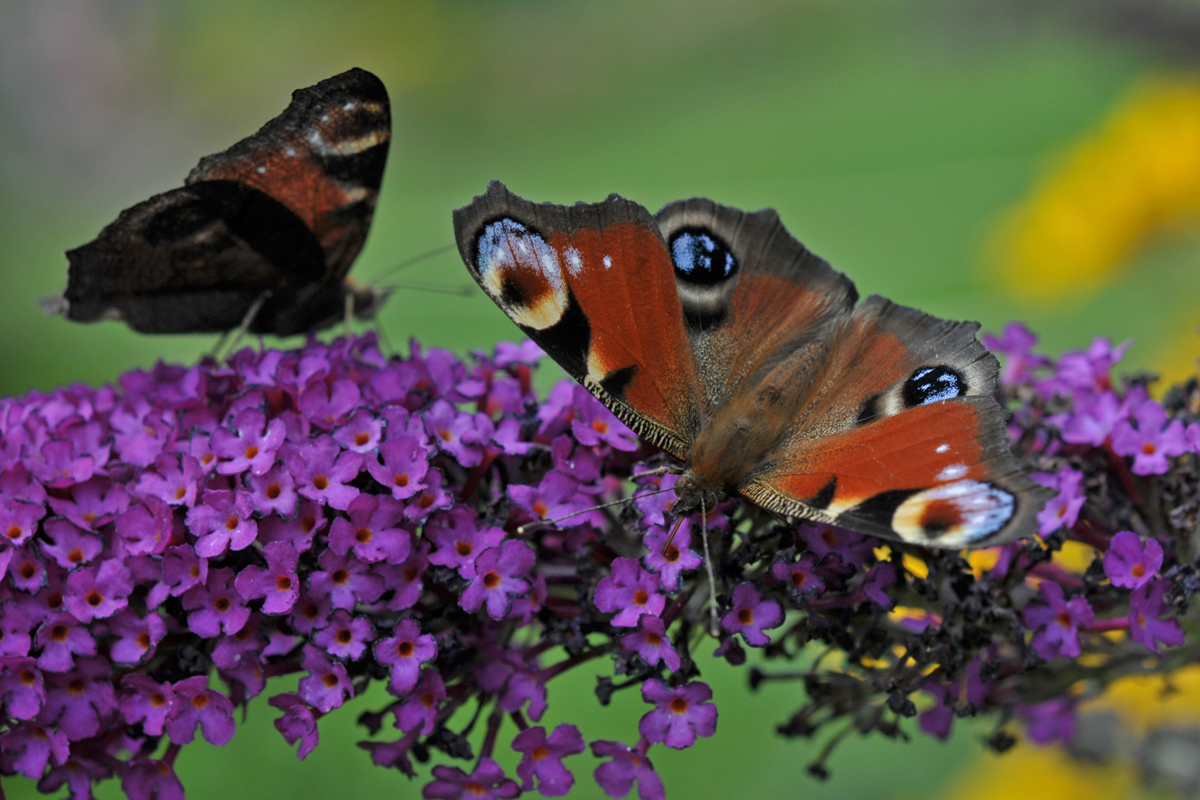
{"x": 712, "y": 580}
{"x": 247, "y": 321}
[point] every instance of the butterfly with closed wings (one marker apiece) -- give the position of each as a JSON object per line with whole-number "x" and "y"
{"x": 722, "y": 340}
{"x": 260, "y": 235}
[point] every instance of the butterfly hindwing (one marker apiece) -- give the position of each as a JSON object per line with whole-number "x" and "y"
{"x": 904, "y": 439}
{"x": 593, "y": 285}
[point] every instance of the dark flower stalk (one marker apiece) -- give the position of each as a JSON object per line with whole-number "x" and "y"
{"x": 169, "y": 544}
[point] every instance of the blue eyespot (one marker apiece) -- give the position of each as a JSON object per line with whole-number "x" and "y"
{"x": 931, "y": 384}
{"x": 700, "y": 257}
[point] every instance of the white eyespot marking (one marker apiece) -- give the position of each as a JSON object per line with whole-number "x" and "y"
{"x": 521, "y": 273}
{"x": 261, "y": 169}
{"x": 953, "y": 472}
{"x": 608, "y": 262}
{"x": 943, "y": 448}
{"x": 574, "y": 260}
{"x": 346, "y": 147}
{"x": 953, "y": 515}
{"x": 290, "y": 152}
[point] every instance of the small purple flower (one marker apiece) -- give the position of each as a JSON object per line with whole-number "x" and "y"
{"x": 459, "y": 540}
{"x": 801, "y": 578}
{"x": 147, "y": 701}
{"x": 345, "y": 636}
{"x": 1092, "y": 420}
{"x": 499, "y": 577}
{"x": 557, "y": 496}
{"x": 322, "y": 471}
{"x": 514, "y": 682}
{"x": 69, "y": 545}
{"x": 405, "y": 651}
{"x": 195, "y": 704}
{"x": 361, "y": 433}
{"x": 432, "y": 498}
{"x": 487, "y": 782}
{"x": 1128, "y": 564}
{"x": 327, "y": 685}
{"x": 629, "y": 592}
{"x": 751, "y": 614}
{"x": 345, "y": 580}
{"x": 457, "y": 433}
{"x": 1061, "y": 511}
{"x": 1016, "y": 344}
{"x": 421, "y": 707}
{"x": 100, "y": 592}
{"x": 22, "y": 688}
{"x": 629, "y": 764}
{"x": 250, "y": 446}
{"x": 1051, "y": 721}
{"x": 216, "y": 607}
{"x": 151, "y": 779}
{"x": 77, "y": 701}
{"x": 175, "y": 482}
{"x": 223, "y": 520}
{"x": 401, "y": 468}
{"x": 1084, "y": 370}
{"x": 277, "y": 582}
{"x": 92, "y": 504}
{"x": 137, "y": 636}
{"x": 30, "y": 747}
{"x": 274, "y": 491}
{"x": 850, "y": 546}
{"x": 18, "y": 521}
{"x": 880, "y": 577}
{"x": 146, "y": 526}
{"x": 593, "y": 424}
{"x": 183, "y": 569}
{"x": 671, "y": 562}
{"x": 543, "y": 757}
{"x": 373, "y": 531}
{"x": 326, "y": 404}
{"x": 650, "y": 641}
{"x": 61, "y": 638}
{"x": 939, "y": 720}
{"x": 297, "y": 723}
{"x": 1145, "y": 625}
{"x": 1152, "y": 442}
{"x": 1057, "y": 622}
{"x": 680, "y": 714}
{"x": 15, "y": 625}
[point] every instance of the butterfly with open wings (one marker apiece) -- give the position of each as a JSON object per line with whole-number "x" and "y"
{"x": 721, "y": 339}
{"x": 261, "y": 234}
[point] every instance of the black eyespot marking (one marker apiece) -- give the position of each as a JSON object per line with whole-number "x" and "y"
{"x": 617, "y": 381}
{"x": 869, "y": 411}
{"x": 930, "y": 384}
{"x": 701, "y": 258}
{"x": 823, "y": 498}
{"x": 510, "y": 294}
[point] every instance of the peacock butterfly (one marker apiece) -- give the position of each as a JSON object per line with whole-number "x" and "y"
{"x": 719, "y": 338}
{"x": 275, "y": 220}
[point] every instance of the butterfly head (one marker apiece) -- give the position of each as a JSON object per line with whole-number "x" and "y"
{"x": 367, "y": 299}
{"x": 696, "y": 492}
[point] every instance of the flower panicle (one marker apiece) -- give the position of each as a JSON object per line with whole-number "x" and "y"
{"x": 171, "y": 543}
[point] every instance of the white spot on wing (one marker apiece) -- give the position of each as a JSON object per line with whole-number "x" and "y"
{"x": 953, "y": 472}
{"x": 943, "y": 448}
{"x": 608, "y": 262}
{"x": 261, "y": 169}
{"x": 574, "y": 261}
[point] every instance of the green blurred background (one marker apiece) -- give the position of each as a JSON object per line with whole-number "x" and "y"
{"x": 891, "y": 137}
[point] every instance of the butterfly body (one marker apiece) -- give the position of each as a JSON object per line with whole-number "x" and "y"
{"x": 719, "y": 338}
{"x": 276, "y": 220}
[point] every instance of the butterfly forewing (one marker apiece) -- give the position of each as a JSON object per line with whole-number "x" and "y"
{"x": 593, "y": 286}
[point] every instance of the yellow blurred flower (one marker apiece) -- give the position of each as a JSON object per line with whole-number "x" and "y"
{"x": 1136, "y": 176}
{"x": 1041, "y": 773}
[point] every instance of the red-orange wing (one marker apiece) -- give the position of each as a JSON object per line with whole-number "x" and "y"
{"x": 593, "y": 285}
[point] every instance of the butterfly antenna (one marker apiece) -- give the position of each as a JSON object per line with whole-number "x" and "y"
{"x": 531, "y": 525}
{"x": 712, "y": 580}
{"x": 462, "y": 290}
{"x": 417, "y": 259}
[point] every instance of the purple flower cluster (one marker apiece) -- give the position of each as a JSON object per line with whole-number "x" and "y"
{"x": 172, "y": 543}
